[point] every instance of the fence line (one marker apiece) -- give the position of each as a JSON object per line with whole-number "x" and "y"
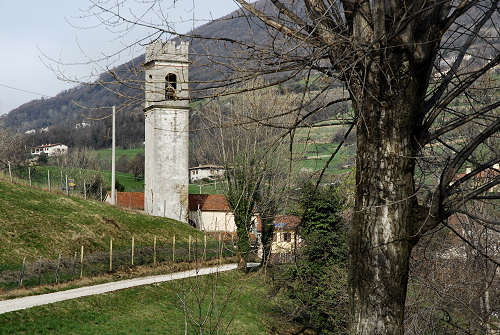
{"x": 41, "y": 271}
{"x": 64, "y": 269}
{"x": 29, "y": 177}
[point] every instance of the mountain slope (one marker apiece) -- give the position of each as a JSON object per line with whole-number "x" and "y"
{"x": 66, "y": 107}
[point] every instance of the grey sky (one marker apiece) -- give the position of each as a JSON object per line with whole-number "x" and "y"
{"x": 31, "y": 30}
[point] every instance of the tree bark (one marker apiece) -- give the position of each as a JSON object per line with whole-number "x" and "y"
{"x": 382, "y": 236}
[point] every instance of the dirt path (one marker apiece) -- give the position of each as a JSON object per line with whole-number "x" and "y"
{"x": 44, "y": 299}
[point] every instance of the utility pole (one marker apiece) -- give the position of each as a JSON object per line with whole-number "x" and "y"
{"x": 113, "y": 153}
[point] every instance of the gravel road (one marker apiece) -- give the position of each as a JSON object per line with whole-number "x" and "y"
{"x": 44, "y": 299}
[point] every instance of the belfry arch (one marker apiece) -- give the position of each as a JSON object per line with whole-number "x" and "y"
{"x": 170, "y": 86}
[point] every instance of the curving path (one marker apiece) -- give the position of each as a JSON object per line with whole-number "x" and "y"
{"x": 44, "y": 299}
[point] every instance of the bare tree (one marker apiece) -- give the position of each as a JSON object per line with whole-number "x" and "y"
{"x": 253, "y": 156}
{"x": 454, "y": 286}
{"x": 411, "y": 70}
{"x": 13, "y": 149}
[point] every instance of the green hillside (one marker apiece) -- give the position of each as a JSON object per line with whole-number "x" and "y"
{"x": 36, "y": 223}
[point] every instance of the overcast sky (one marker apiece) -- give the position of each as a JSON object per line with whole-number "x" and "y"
{"x": 33, "y": 31}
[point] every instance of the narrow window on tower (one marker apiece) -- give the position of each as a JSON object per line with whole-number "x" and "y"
{"x": 170, "y": 86}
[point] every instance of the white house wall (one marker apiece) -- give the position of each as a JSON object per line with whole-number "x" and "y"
{"x": 282, "y": 246}
{"x": 198, "y": 174}
{"x": 213, "y": 221}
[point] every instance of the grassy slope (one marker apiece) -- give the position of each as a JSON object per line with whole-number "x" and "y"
{"x": 153, "y": 309}
{"x": 37, "y": 223}
{"x": 314, "y": 146}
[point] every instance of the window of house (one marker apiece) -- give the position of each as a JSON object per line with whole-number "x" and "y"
{"x": 170, "y": 86}
{"x": 287, "y": 237}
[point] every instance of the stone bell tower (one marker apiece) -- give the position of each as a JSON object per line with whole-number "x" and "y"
{"x": 167, "y": 130}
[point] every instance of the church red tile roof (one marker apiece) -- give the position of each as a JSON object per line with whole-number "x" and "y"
{"x": 208, "y": 202}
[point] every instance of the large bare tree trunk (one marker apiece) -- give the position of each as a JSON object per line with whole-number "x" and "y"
{"x": 381, "y": 234}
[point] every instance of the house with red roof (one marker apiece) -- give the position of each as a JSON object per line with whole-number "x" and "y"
{"x": 211, "y": 213}
{"x": 207, "y": 212}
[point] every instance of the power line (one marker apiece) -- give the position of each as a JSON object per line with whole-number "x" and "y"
{"x": 25, "y": 91}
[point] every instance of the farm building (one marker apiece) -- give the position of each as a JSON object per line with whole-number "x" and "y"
{"x": 206, "y": 171}
{"x": 211, "y": 213}
{"x": 50, "y": 149}
{"x": 207, "y": 212}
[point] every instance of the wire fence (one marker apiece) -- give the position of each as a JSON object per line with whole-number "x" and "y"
{"x": 80, "y": 264}
{"x": 69, "y": 181}
{"x": 66, "y": 268}
{"x": 85, "y": 183}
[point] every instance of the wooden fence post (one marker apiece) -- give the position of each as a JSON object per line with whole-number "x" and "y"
{"x": 204, "y": 246}
{"x": 67, "y": 188}
{"x": 154, "y": 251}
{"x": 40, "y": 271}
{"x": 73, "y": 267}
{"x": 81, "y": 263}
{"x": 222, "y": 244}
{"x": 57, "y": 268}
{"x": 21, "y": 274}
{"x": 48, "y": 179}
{"x": 173, "y": 249}
{"x": 111, "y": 254}
{"x": 232, "y": 244}
{"x": 132, "y": 252}
{"x": 100, "y": 191}
{"x": 10, "y": 172}
{"x": 61, "y": 178}
{"x": 29, "y": 174}
{"x": 189, "y": 248}
{"x": 85, "y": 189}
{"x": 218, "y": 248}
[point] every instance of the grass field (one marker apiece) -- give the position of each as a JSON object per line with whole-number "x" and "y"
{"x": 312, "y": 148}
{"x": 129, "y": 153}
{"x": 57, "y": 180}
{"x": 39, "y": 178}
{"x": 36, "y": 223}
{"x": 153, "y": 309}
